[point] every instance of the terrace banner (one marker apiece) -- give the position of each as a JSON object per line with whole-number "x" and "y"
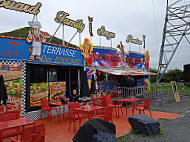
{"x": 19, "y": 49}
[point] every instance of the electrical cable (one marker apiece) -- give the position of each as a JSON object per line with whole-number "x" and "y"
{"x": 155, "y": 25}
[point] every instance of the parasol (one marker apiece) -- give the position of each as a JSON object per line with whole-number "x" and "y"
{"x": 3, "y": 92}
{"x": 84, "y": 90}
{"x": 93, "y": 86}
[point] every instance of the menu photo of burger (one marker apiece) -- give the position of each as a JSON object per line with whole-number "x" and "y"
{"x": 38, "y": 91}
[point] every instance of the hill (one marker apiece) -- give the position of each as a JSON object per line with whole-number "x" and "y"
{"x": 23, "y": 33}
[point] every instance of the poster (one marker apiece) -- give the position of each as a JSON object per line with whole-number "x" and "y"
{"x": 57, "y": 90}
{"x": 106, "y": 58}
{"x": 12, "y": 74}
{"x": 135, "y": 60}
{"x": 38, "y": 91}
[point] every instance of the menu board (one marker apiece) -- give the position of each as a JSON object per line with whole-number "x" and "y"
{"x": 57, "y": 91}
{"x": 12, "y": 74}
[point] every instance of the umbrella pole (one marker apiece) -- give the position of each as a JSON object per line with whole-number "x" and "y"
{"x": 5, "y": 108}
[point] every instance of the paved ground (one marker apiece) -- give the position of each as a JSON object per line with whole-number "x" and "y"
{"x": 173, "y": 107}
{"x": 176, "y": 130}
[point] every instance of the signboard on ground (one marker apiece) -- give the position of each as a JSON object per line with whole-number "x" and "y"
{"x": 175, "y": 92}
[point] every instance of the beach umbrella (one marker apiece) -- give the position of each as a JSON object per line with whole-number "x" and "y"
{"x": 84, "y": 90}
{"x": 3, "y": 92}
{"x": 93, "y": 86}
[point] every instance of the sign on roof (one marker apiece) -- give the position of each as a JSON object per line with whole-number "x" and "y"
{"x": 22, "y": 7}
{"x": 102, "y": 32}
{"x": 17, "y": 49}
{"x": 61, "y": 18}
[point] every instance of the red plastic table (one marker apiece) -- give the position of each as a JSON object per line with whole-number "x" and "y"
{"x": 129, "y": 100}
{"x": 88, "y": 109}
{"x": 14, "y": 124}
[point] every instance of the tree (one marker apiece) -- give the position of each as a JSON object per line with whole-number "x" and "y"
{"x": 153, "y": 78}
{"x": 172, "y": 75}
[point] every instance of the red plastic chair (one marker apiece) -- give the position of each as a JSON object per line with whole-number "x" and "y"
{"x": 106, "y": 114}
{"x": 75, "y": 115}
{"x": 103, "y": 102}
{"x": 45, "y": 107}
{"x": 110, "y": 104}
{"x": 32, "y": 134}
{"x": 1, "y": 108}
{"x": 144, "y": 106}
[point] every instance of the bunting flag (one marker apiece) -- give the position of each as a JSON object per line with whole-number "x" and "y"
{"x": 144, "y": 36}
{"x": 90, "y": 19}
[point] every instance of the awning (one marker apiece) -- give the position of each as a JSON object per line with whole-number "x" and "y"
{"x": 126, "y": 72}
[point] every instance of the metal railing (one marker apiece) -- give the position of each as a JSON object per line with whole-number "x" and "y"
{"x": 158, "y": 93}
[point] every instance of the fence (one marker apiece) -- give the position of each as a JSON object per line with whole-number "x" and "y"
{"x": 161, "y": 93}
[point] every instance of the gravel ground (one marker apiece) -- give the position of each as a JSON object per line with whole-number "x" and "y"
{"x": 176, "y": 130}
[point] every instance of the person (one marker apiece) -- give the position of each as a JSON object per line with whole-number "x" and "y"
{"x": 63, "y": 98}
{"x": 130, "y": 85}
{"x": 130, "y": 81}
{"x": 74, "y": 97}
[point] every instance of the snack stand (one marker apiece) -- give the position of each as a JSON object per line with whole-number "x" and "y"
{"x": 55, "y": 73}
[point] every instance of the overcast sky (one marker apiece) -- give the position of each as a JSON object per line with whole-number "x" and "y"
{"x": 123, "y": 17}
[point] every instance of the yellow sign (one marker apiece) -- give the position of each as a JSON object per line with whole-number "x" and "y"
{"x": 61, "y": 18}
{"x": 130, "y": 39}
{"x": 102, "y": 32}
{"x": 22, "y": 7}
{"x": 175, "y": 92}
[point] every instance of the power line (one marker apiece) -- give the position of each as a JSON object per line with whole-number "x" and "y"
{"x": 155, "y": 25}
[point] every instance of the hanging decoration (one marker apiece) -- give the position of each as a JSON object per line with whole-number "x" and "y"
{"x": 90, "y": 20}
{"x": 144, "y": 37}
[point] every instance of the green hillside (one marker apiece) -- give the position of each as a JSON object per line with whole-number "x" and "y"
{"x": 23, "y": 33}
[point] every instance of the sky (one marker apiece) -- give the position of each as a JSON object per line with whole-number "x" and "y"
{"x": 122, "y": 17}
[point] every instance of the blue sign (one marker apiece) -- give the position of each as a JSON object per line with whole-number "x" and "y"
{"x": 18, "y": 49}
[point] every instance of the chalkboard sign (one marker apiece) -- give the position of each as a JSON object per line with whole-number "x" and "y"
{"x": 175, "y": 92}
